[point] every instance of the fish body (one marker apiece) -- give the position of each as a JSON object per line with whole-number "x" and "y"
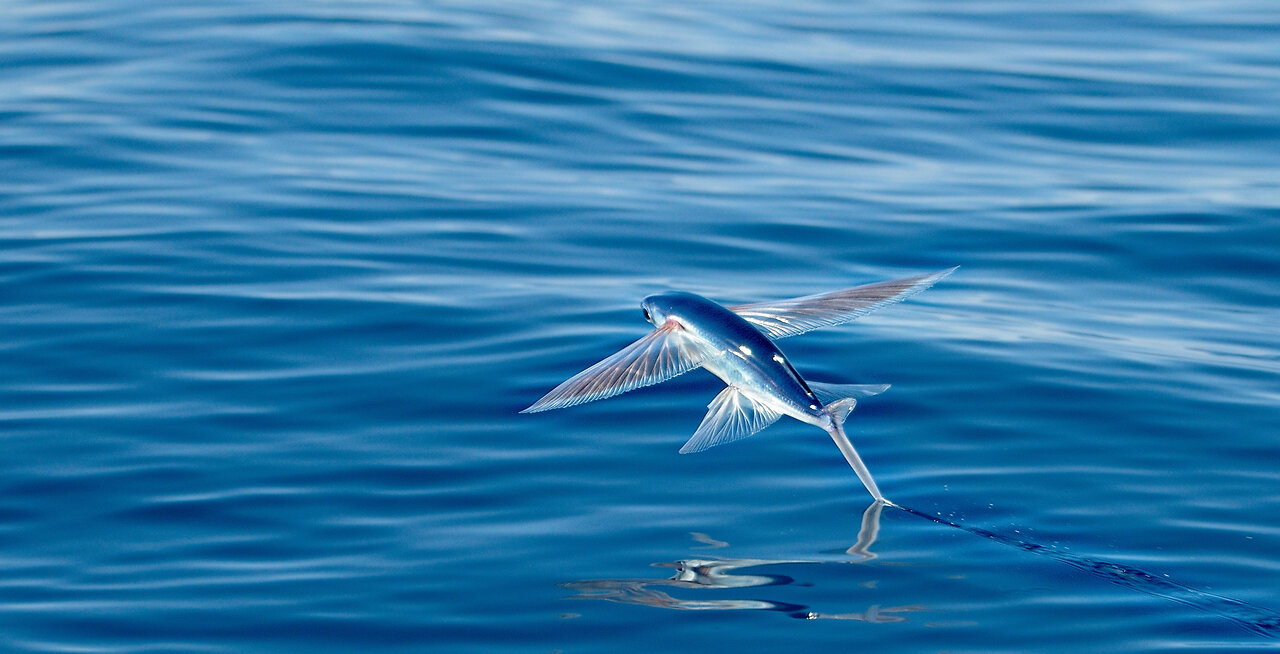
{"x": 737, "y": 345}
{"x": 741, "y": 356}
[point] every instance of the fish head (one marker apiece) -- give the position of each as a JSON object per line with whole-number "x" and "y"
{"x": 660, "y": 308}
{"x": 652, "y": 312}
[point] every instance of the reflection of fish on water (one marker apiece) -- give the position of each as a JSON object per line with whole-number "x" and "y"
{"x": 706, "y": 574}
{"x": 689, "y": 574}
{"x": 728, "y": 574}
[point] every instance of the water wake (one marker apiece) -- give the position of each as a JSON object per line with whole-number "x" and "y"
{"x": 1256, "y": 619}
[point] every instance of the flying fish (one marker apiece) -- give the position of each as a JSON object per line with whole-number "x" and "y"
{"x": 736, "y": 344}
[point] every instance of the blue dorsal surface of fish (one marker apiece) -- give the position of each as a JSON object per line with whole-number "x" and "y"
{"x": 736, "y": 344}
{"x": 738, "y": 353}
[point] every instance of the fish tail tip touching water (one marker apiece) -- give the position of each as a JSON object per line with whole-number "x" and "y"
{"x": 839, "y": 411}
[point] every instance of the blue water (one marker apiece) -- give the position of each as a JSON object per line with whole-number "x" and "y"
{"x": 276, "y": 281}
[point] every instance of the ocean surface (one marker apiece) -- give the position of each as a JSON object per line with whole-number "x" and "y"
{"x": 276, "y": 280}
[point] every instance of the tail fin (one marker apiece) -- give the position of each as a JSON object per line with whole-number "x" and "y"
{"x": 838, "y": 413}
{"x": 829, "y": 393}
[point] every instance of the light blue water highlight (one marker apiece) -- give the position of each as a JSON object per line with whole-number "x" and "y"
{"x": 277, "y": 279}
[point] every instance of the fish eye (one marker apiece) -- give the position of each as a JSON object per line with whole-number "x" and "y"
{"x": 646, "y": 314}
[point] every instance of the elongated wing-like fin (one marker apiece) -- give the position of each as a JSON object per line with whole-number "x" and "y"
{"x": 731, "y": 416}
{"x": 783, "y": 318}
{"x": 829, "y": 393}
{"x": 662, "y": 354}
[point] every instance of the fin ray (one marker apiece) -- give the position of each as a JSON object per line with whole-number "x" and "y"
{"x": 731, "y": 416}
{"x": 783, "y": 318}
{"x": 658, "y": 356}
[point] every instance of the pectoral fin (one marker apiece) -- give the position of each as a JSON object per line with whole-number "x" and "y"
{"x": 783, "y": 318}
{"x": 662, "y": 354}
{"x": 731, "y": 416}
